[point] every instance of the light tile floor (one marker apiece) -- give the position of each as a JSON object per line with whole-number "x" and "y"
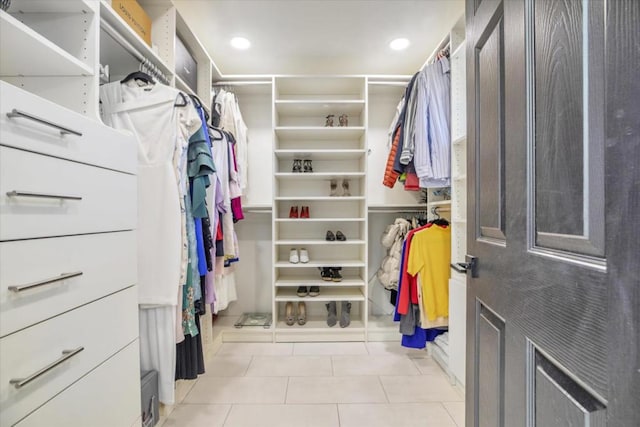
{"x": 319, "y": 385}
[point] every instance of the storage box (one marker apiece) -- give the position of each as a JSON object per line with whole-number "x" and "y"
{"x": 149, "y": 398}
{"x": 186, "y": 65}
{"x": 135, "y": 16}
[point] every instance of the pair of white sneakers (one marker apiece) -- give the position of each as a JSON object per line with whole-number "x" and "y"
{"x": 296, "y": 257}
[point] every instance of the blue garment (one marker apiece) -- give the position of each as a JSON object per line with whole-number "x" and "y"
{"x": 202, "y": 260}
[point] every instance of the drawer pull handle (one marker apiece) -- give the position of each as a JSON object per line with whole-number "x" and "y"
{"x": 66, "y": 355}
{"x": 16, "y": 193}
{"x": 59, "y": 278}
{"x": 21, "y": 114}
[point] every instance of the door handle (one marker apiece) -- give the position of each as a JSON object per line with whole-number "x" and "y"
{"x": 21, "y": 114}
{"x": 471, "y": 265}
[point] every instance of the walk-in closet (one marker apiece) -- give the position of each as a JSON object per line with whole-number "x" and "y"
{"x": 319, "y": 213}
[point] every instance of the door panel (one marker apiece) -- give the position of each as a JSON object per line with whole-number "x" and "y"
{"x": 549, "y": 280}
{"x": 489, "y": 124}
{"x": 557, "y": 399}
{"x": 489, "y": 368}
{"x": 565, "y": 71}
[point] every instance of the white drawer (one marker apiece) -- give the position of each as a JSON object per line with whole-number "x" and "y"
{"x": 98, "y": 145}
{"x": 107, "y": 262}
{"x": 108, "y": 198}
{"x": 109, "y": 396}
{"x": 101, "y": 329}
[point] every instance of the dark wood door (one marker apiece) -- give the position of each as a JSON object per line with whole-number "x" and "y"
{"x": 553, "y": 213}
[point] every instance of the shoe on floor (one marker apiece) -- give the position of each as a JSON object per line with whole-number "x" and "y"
{"x": 314, "y": 291}
{"x": 332, "y": 314}
{"x": 289, "y": 318}
{"x": 304, "y": 256}
{"x": 330, "y": 236}
{"x": 302, "y": 291}
{"x": 345, "y": 314}
{"x": 302, "y": 313}
{"x": 340, "y": 236}
{"x": 294, "y": 258}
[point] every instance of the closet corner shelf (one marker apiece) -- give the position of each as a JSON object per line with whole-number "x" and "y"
{"x": 459, "y": 140}
{"x": 319, "y": 324}
{"x": 303, "y": 220}
{"x": 319, "y": 132}
{"x": 315, "y": 264}
{"x": 27, "y": 53}
{"x": 313, "y": 242}
{"x": 326, "y": 294}
{"x": 295, "y": 281}
{"x": 319, "y": 198}
{"x": 110, "y": 17}
{"x": 318, "y": 175}
{"x": 320, "y": 154}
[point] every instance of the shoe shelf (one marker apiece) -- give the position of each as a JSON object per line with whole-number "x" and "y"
{"x": 303, "y": 242}
{"x": 320, "y": 198}
{"x": 333, "y": 293}
{"x": 295, "y": 281}
{"x": 325, "y": 263}
{"x": 302, "y": 220}
{"x": 320, "y": 154}
{"x": 319, "y": 324}
{"x": 319, "y": 107}
{"x": 319, "y": 132}
{"x": 319, "y": 175}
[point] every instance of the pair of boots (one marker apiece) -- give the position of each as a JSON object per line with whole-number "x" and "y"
{"x": 334, "y": 188}
{"x": 345, "y": 313}
{"x": 290, "y": 317}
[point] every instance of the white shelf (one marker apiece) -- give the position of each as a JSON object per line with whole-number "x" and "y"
{"x": 117, "y": 23}
{"x": 48, "y": 6}
{"x": 319, "y": 107}
{"x": 326, "y": 294}
{"x": 319, "y": 324}
{"x": 299, "y": 220}
{"x": 326, "y": 263}
{"x": 27, "y": 53}
{"x": 320, "y": 198}
{"x": 319, "y": 132}
{"x": 295, "y": 281}
{"x": 310, "y": 242}
{"x": 459, "y": 177}
{"x": 318, "y": 175}
{"x": 439, "y": 203}
{"x": 396, "y": 208}
{"x": 320, "y": 154}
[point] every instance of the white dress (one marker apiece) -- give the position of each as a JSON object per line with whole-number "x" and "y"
{"x": 163, "y": 131}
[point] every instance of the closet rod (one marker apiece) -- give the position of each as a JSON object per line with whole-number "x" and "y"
{"x": 118, "y": 38}
{"x": 443, "y": 44}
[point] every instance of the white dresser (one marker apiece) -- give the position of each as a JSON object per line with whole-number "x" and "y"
{"x": 68, "y": 300}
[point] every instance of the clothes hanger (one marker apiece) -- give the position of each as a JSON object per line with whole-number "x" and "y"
{"x": 138, "y": 75}
{"x": 184, "y": 102}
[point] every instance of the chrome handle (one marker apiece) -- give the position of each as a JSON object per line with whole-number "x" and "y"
{"x": 66, "y": 355}
{"x": 21, "y": 114}
{"x": 16, "y": 193}
{"x": 59, "y": 278}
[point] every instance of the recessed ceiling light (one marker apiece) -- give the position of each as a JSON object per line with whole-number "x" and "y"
{"x": 240, "y": 43}
{"x": 399, "y": 44}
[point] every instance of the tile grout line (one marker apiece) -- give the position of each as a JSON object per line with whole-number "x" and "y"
{"x": 226, "y": 417}
{"x": 450, "y": 414}
{"x": 286, "y": 391}
{"x": 384, "y": 389}
{"x": 338, "y": 413}
{"x": 248, "y": 366}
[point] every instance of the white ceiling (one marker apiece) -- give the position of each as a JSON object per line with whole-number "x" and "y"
{"x": 320, "y": 36}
